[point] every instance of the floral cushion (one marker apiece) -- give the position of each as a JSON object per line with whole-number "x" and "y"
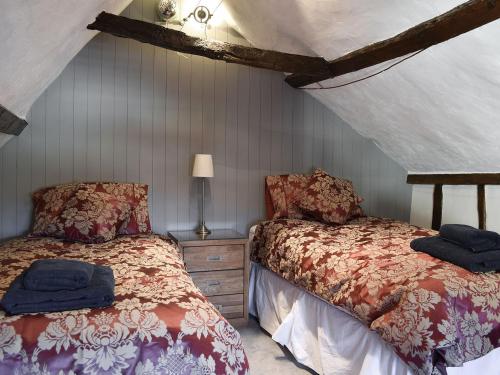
{"x": 329, "y": 199}
{"x": 137, "y": 197}
{"x": 90, "y": 217}
{"x": 283, "y": 191}
{"x": 48, "y": 204}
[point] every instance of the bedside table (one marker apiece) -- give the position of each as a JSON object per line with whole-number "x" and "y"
{"x": 219, "y": 266}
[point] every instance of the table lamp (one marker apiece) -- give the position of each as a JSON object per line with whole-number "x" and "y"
{"x": 203, "y": 168}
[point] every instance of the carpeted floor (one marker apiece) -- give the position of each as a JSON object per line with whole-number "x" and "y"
{"x": 265, "y": 355}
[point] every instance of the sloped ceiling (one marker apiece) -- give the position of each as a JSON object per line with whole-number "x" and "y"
{"x": 437, "y": 112}
{"x": 38, "y": 38}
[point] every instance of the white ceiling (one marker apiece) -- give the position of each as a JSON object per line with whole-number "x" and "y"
{"x": 437, "y": 112}
{"x": 38, "y": 38}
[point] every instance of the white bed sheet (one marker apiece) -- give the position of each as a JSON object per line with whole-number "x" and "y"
{"x": 328, "y": 340}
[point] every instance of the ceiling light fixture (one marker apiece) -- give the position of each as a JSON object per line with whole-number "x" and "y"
{"x": 201, "y": 14}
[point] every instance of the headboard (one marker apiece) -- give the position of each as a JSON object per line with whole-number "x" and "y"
{"x": 438, "y": 180}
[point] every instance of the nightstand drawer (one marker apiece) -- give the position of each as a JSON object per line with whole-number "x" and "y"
{"x": 230, "y": 306}
{"x": 219, "y": 282}
{"x": 210, "y": 258}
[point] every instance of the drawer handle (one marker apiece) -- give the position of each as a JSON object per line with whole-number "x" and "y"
{"x": 218, "y": 307}
{"x": 213, "y": 283}
{"x": 214, "y": 258}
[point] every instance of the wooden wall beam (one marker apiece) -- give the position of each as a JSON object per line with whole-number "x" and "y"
{"x": 459, "y": 20}
{"x": 160, "y": 36}
{"x": 10, "y": 123}
{"x": 454, "y": 179}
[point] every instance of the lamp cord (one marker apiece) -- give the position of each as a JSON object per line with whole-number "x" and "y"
{"x": 364, "y": 78}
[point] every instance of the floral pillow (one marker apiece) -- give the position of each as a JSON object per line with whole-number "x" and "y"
{"x": 48, "y": 204}
{"x": 329, "y": 199}
{"x": 283, "y": 191}
{"x": 90, "y": 216}
{"x": 137, "y": 197}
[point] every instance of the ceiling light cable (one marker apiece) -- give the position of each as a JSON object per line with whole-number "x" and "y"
{"x": 364, "y": 78}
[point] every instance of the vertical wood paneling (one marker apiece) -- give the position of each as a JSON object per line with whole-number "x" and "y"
{"x": 107, "y": 123}
{"x": 218, "y": 185}
{"x": 67, "y": 127}
{"x": 125, "y": 111}
{"x": 171, "y": 164}
{"x": 94, "y": 109}
{"x": 158, "y": 184}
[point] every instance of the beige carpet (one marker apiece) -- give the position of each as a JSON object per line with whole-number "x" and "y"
{"x": 265, "y": 355}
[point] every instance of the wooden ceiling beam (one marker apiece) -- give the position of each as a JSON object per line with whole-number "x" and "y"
{"x": 459, "y": 20}
{"x": 160, "y": 36}
{"x": 10, "y": 123}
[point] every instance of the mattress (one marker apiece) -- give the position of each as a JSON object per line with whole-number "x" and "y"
{"x": 328, "y": 340}
{"x": 432, "y": 313}
{"x": 160, "y": 322}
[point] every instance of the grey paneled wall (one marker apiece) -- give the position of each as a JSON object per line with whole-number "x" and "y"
{"x": 126, "y": 111}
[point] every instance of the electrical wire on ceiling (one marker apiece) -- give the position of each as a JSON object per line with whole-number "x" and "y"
{"x": 364, "y": 78}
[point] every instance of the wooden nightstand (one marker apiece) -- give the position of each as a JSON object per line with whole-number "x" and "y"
{"x": 219, "y": 266}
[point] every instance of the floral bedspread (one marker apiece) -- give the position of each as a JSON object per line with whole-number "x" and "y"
{"x": 160, "y": 323}
{"x": 433, "y": 313}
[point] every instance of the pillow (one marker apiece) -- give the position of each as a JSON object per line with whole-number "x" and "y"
{"x": 90, "y": 216}
{"x": 329, "y": 199}
{"x": 48, "y": 204}
{"x": 137, "y": 197}
{"x": 283, "y": 191}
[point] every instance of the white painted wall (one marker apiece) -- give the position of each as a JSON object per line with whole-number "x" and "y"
{"x": 459, "y": 206}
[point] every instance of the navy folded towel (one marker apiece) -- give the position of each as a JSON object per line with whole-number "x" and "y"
{"x": 452, "y": 253}
{"x": 471, "y": 238}
{"x": 57, "y": 274}
{"x": 99, "y": 293}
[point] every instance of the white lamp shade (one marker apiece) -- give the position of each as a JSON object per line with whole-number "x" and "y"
{"x": 203, "y": 166}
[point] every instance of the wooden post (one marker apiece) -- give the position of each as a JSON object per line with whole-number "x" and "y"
{"x": 437, "y": 206}
{"x": 481, "y": 206}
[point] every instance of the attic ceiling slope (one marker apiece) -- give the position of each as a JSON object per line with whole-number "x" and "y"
{"x": 436, "y": 112}
{"x": 38, "y": 38}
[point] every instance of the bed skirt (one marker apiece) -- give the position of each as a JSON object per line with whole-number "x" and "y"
{"x": 328, "y": 340}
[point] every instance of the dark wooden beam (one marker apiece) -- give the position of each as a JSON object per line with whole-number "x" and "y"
{"x": 454, "y": 179}
{"x": 160, "y": 36}
{"x": 437, "y": 206}
{"x": 10, "y": 123}
{"x": 481, "y": 206}
{"x": 459, "y": 20}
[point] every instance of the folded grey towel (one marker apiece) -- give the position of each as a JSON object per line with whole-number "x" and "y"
{"x": 471, "y": 238}
{"x": 99, "y": 293}
{"x": 449, "y": 252}
{"x": 58, "y": 274}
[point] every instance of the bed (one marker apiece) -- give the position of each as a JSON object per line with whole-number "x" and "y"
{"x": 433, "y": 314}
{"x": 160, "y": 323}
{"x": 356, "y": 299}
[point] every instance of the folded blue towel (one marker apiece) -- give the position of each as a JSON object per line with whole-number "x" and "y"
{"x": 449, "y": 252}
{"x": 471, "y": 238}
{"x": 58, "y": 274}
{"x": 99, "y": 293}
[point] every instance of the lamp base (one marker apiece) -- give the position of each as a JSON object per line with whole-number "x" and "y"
{"x": 203, "y": 230}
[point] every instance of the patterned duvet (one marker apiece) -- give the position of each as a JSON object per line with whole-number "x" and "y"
{"x": 159, "y": 324}
{"x": 433, "y": 313}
